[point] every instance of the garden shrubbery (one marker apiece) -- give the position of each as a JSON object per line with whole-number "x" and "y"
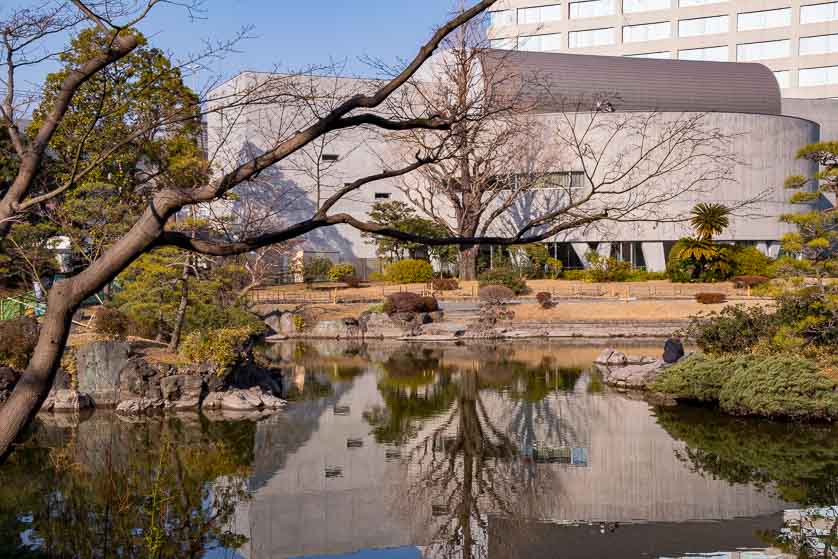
{"x": 316, "y": 268}
{"x": 545, "y": 299}
{"x": 711, "y": 298}
{"x": 220, "y": 347}
{"x": 409, "y": 302}
{"x": 111, "y": 322}
{"x": 506, "y": 277}
{"x": 445, "y": 284}
{"x": 787, "y": 386}
{"x": 409, "y": 271}
{"x": 749, "y": 281}
{"x": 341, "y": 272}
{"x": 18, "y": 337}
{"x": 605, "y": 268}
{"x": 493, "y": 305}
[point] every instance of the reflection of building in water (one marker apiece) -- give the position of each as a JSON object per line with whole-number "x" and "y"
{"x": 598, "y": 457}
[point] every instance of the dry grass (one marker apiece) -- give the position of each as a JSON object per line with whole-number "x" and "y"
{"x": 632, "y": 310}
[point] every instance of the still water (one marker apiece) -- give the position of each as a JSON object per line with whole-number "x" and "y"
{"x": 405, "y": 451}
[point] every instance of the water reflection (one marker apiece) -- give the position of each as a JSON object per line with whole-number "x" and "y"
{"x": 433, "y": 451}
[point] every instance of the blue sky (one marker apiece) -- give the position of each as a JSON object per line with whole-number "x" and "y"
{"x": 291, "y": 34}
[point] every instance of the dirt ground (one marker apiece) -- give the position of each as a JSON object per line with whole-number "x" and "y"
{"x": 632, "y": 310}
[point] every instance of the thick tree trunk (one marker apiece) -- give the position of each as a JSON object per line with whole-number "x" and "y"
{"x": 468, "y": 263}
{"x": 36, "y": 381}
{"x": 181, "y": 309}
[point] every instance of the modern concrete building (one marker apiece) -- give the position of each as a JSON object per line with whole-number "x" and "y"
{"x": 797, "y": 40}
{"x": 742, "y": 101}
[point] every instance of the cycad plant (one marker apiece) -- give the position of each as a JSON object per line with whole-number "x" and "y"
{"x": 709, "y": 220}
{"x": 699, "y": 256}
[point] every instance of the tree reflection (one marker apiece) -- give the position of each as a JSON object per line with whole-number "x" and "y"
{"x": 108, "y": 488}
{"x": 798, "y": 462}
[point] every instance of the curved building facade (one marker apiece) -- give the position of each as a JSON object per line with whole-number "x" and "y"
{"x": 740, "y": 102}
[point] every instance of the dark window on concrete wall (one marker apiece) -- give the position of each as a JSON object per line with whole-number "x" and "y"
{"x": 382, "y": 195}
{"x": 330, "y": 157}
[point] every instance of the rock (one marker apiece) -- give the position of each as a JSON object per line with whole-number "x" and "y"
{"x": 182, "y": 391}
{"x": 639, "y": 359}
{"x": 286, "y": 324}
{"x": 617, "y": 358}
{"x": 673, "y": 350}
{"x": 336, "y": 329}
{"x": 100, "y": 365}
{"x": 636, "y": 377}
{"x": 66, "y": 400}
{"x": 240, "y": 400}
{"x": 138, "y": 379}
{"x": 381, "y": 325}
{"x": 272, "y": 402}
{"x": 213, "y": 400}
{"x": 443, "y": 329}
{"x": 273, "y": 322}
{"x": 604, "y": 355}
{"x": 138, "y": 406}
{"x": 252, "y": 399}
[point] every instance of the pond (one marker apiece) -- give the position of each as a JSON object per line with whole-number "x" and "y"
{"x": 388, "y": 449}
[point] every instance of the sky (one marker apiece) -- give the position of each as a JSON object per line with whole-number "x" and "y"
{"x": 292, "y": 34}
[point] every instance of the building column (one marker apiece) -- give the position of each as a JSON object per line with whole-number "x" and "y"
{"x": 762, "y": 246}
{"x": 654, "y": 256}
{"x": 604, "y": 249}
{"x": 774, "y": 249}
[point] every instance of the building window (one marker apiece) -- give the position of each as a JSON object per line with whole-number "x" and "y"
{"x": 591, "y": 38}
{"x": 382, "y": 195}
{"x": 646, "y": 32}
{"x": 783, "y": 78}
{"x": 664, "y": 54}
{"x": 539, "y": 14}
{"x": 591, "y": 8}
{"x": 809, "y": 77}
{"x": 509, "y": 43}
{"x": 329, "y": 157}
{"x": 541, "y": 43}
{"x": 821, "y": 44}
{"x": 716, "y": 54}
{"x": 689, "y": 3}
{"x": 763, "y": 20}
{"x": 632, "y": 6}
{"x": 767, "y": 50}
{"x": 502, "y": 18}
{"x": 702, "y": 26}
{"x": 819, "y": 12}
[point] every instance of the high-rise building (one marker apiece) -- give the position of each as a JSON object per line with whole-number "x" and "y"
{"x": 796, "y": 39}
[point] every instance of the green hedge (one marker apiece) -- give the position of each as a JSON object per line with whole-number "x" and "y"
{"x": 506, "y": 277}
{"x": 409, "y": 271}
{"x": 785, "y": 386}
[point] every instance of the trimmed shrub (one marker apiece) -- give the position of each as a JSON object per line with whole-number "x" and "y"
{"x": 18, "y": 337}
{"x": 711, "y": 298}
{"x": 496, "y": 294}
{"x": 731, "y": 330}
{"x": 696, "y": 377}
{"x": 503, "y": 276}
{"x": 749, "y": 261}
{"x": 316, "y": 268}
{"x": 604, "y": 269}
{"x": 575, "y": 275}
{"x": 749, "y": 281}
{"x": 111, "y": 322}
{"x": 339, "y": 272}
{"x": 544, "y": 299}
{"x": 409, "y": 302}
{"x": 445, "y": 284}
{"x": 554, "y": 268}
{"x": 409, "y": 271}
{"x": 221, "y": 347}
{"x": 785, "y": 386}
{"x": 351, "y": 281}
{"x": 376, "y": 276}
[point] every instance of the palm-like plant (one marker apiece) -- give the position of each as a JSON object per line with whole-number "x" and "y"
{"x": 698, "y": 249}
{"x": 709, "y": 219}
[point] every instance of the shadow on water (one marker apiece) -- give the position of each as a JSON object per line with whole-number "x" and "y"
{"x": 486, "y": 450}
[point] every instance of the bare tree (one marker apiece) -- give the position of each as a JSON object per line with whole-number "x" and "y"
{"x": 170, "y": 196}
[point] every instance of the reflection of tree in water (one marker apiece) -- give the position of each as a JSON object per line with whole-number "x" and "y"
{"x": 799, "y": 462}
{"x": 157, "y": 489}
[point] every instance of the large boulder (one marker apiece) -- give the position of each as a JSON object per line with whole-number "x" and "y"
{"x": 99, "y": 368}
{"x": 182, "y": 392}
{"x": 337, "y": 329}
{"x": 636, "y": 377}
{"x": 138, "y": 379}
{"x": 287, "y": 327}
{"x": 252, "y": 399}
{"x": 138, "y": 406}
{"x": 381, "y": 325}
{"x": 67, "y": 400}
{"x": 673, "y": 350}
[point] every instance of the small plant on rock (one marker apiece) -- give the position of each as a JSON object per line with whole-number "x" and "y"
{"x": 544, "y": 299}
{"x": 221, "y": 347}
{"x": 493, "y": 305}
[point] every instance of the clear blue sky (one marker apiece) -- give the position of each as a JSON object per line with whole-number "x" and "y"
{"x": 291, "y": 34}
